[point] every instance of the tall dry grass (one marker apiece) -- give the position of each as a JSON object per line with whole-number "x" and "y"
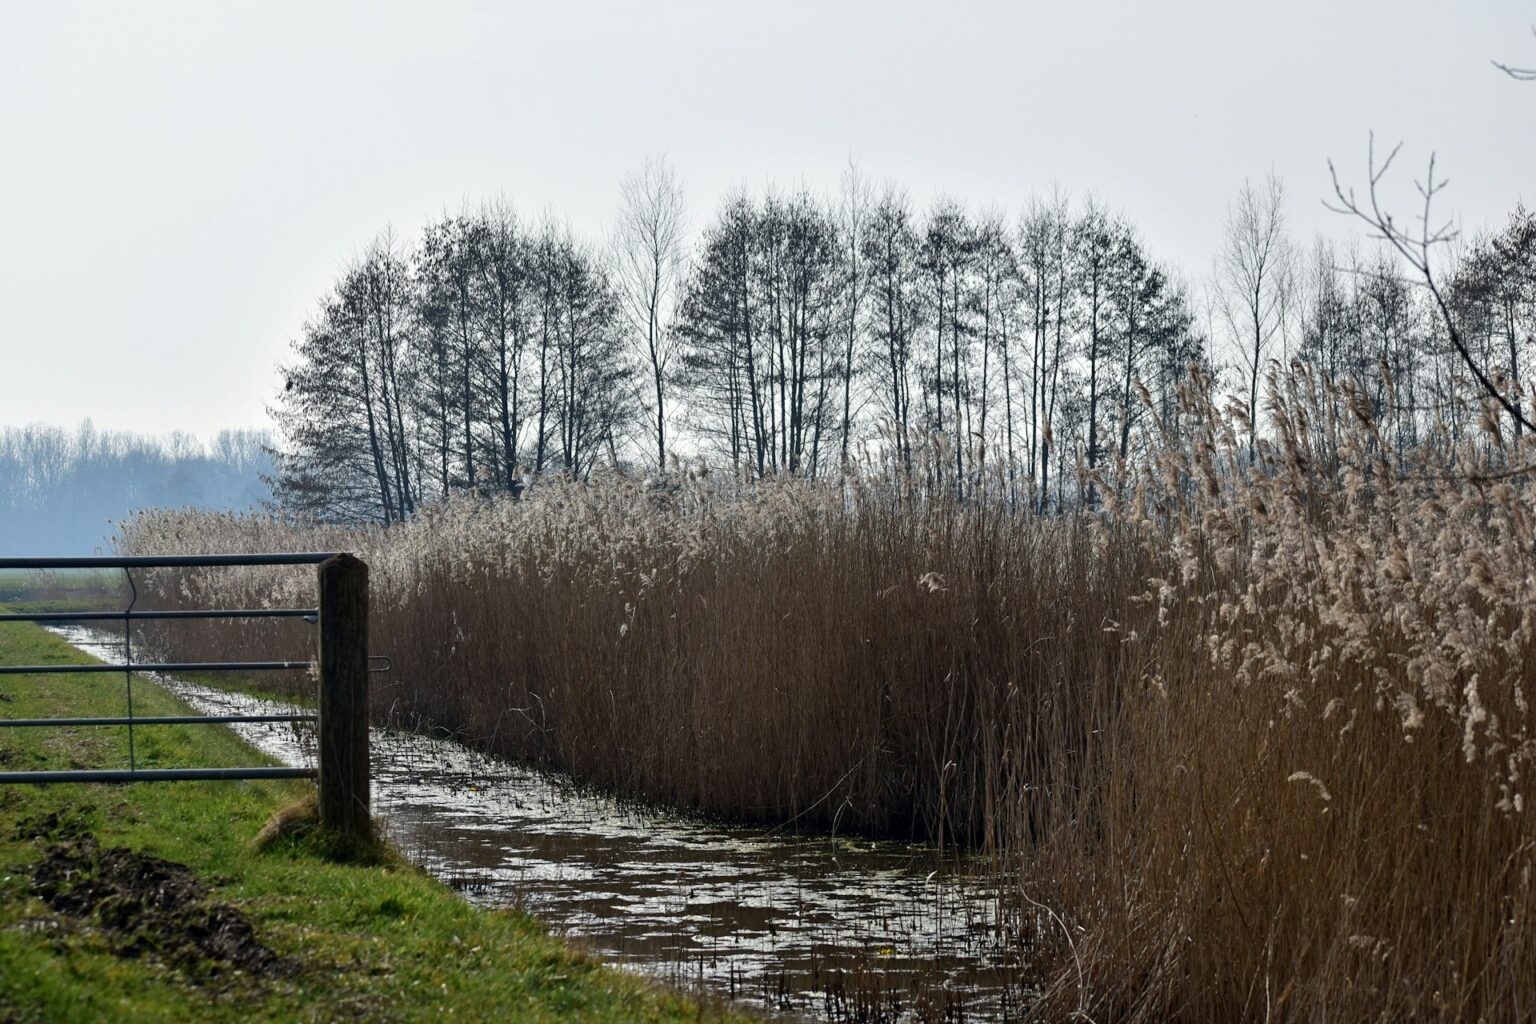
{"x": 840, "y": 656}
{"x": 1324, "y": 807}
{"x": 1255, "y": 738}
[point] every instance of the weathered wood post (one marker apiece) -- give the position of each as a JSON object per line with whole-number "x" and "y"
{"x": 344, "y": 804}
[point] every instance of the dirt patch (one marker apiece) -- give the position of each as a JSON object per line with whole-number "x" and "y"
{"x": 152, "y": 908}
{"x": 69, "y": 823}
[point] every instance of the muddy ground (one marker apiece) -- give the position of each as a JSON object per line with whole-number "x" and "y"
{"x": 148, "y": 908}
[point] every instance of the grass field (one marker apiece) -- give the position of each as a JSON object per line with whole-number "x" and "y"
{"x": 150, "y": 902}
{"x": 62, "y": 584}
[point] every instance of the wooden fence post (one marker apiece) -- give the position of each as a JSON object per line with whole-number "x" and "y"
{"x": 344, "y": 804}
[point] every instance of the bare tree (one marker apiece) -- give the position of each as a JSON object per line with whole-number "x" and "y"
{"x": 648, "y": 255}
{"x": 494, "y": 348}
{"x": 889, "y": 251}
{"x": 1251, "y": 283}
{"x": 1093, "y": 250}
{"x": 502, "y": 266}
{"x": 1053, "y": 301}
{"x": 998, "y": 296}
{"x": 1416, "y": 245}
{"x": 446, "y": 270}
{"x": 853, "y": 226}
{"x": 945, "y": 258}
{"x": 342, "y": 412}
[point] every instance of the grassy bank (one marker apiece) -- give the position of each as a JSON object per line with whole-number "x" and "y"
{"x": 149, "y": 902}
{"x": 66, "y": 590}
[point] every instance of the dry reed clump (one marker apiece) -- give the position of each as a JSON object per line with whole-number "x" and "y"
{"x": 1323, "y": 812}
{"x": 1255, "y": 737}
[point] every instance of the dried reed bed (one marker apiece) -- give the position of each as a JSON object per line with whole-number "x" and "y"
{"x": 1323, "y": 811}
{"x": 1255, "y": 738}
{"x": 842, "y": 656}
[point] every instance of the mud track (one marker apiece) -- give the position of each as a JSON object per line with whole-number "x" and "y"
{"x": 151, "y": 908}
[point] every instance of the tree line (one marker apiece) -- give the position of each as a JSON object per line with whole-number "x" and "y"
{"x": 798, "y": 333}
{"x": 60, "y": 490}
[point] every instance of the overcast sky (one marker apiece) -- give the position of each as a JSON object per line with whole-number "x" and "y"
{"x": 179, "y": 183}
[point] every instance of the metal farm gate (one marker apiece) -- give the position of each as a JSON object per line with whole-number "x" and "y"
{"x": 341, "y": 616}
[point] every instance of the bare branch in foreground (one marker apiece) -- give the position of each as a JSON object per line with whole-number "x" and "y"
{"x": 1415, "y": 246}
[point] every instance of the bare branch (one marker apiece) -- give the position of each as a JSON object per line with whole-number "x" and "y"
{"x": 1518, "y": 74}
{"x": 1415, "y": 250}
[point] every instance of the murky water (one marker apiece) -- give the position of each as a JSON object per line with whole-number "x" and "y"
{"x": 818, "y": 927}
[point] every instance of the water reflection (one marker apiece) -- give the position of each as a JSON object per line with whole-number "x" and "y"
{"x": 833, "y": 928}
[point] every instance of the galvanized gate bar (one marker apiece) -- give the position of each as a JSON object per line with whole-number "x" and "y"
{"x": 216, "y": 613}
{"x": 342, "y": 617}
{"x": 12, "y": 723}
{"x": 159, "y": 775}
{"x": 186, "y": 666}
{"x": 166, "y": 561}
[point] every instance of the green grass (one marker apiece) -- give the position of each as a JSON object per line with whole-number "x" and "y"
{"x": 303, "y": 694}
{"x": 25, "y": 584}
{"x": 52, "y": 605}
{"x": 372, "y": 941}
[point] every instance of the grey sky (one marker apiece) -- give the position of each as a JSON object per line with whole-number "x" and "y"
{"x": 180, "y": 182}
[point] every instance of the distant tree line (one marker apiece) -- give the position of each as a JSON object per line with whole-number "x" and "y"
{"x": 61, "y": 490}
{"x": 798, "y": 333}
